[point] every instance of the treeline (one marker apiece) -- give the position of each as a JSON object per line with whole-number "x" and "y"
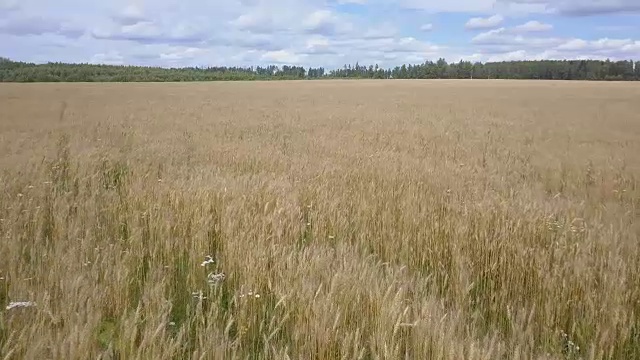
{"x": 546, "y": 69}
{"x": 12, "y": 71}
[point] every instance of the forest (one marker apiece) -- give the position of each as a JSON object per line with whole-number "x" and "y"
{"x": 15, "y": 71}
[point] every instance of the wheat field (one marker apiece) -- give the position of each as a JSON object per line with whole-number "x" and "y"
{"x": 320, "y": 220}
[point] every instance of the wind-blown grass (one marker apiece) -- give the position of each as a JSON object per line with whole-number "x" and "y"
{"x": 354, "y": 220}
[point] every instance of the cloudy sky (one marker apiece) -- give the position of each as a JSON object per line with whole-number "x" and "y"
{"x": 326, "y": 33}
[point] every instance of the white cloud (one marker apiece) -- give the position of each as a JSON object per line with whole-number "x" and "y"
{"x": 602, "y": 46}
{"x": 471, "y": 57}
{"x": 318, "y": 45}
{"x": 148, "y": 32}
{"x": 450, "y": 6}
{"x": 479, "y": 23}
{"x": 254, "y": 22}
{"x": 325, "y": 22}
{"x": 380, "y": 32}
{"x": 111, "y": 58}
{"x": 281, "y": 56}
{"x": 552, "y": 54}
{"x": 37, "y": 25}
{"x": 317, "y": 41}
{"x": 509, "y": 56}
{"x": 506, "y": 44}
{"x": 533, "y": 26}
{"x": 505, "y": 39}
{"x": 506, "y": 7}
{"x": 426, "y": 27}
{"x": 179, "y": 54}
{"x": 581, "y": 7}
{"x": 9, "y": 5}
{"x": 598, "y": 7}
{"x": 304, "y": 32}
{"x": 518, "y": 55}
{"x": 130, "y": 15}
{"x": 521, "y": 7}
{"x": 574, "y": 44}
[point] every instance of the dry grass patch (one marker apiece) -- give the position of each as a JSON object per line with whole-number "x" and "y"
{"x": 353, "y": 220}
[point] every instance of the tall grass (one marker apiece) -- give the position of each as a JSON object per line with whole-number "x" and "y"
{"x": 345, "y": 220}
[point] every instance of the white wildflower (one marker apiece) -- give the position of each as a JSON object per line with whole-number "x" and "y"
{"x": 207, "y": 260}
{"x": 570, "y": 347}
{"x": 250, "y": 293}
{"x": 198, "y": 295}
{"x": 214, "y": 279}
{"x": 20, "y": 304}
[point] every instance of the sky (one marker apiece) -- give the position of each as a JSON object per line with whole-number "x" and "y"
{"x": 328, "y": 33}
